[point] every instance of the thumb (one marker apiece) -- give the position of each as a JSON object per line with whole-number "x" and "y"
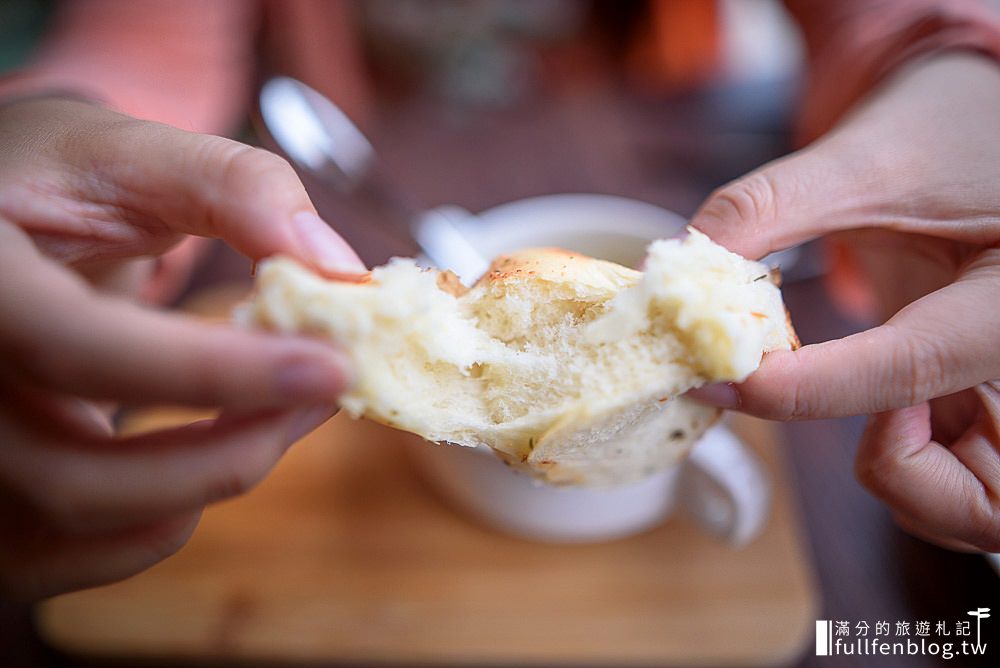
{"x": 214, "y": 187}
{"x": 786, "y": 202}
{"x": 161, "y": 181}
{"x": 938, "y": 345}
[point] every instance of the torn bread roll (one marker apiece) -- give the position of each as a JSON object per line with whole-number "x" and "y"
{"x": 569, "y": 367}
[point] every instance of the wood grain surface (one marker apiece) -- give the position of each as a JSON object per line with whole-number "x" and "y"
{"x": 343, "y": 554}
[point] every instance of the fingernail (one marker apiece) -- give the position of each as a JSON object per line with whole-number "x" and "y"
{"x": 319, "y": 376}
{"x": 307, "y": 420}
{"x": 723, "y": 395}
{"x": 324, "y": 246}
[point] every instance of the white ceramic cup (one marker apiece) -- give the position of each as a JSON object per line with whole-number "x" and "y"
{"x": 721, "y": 485}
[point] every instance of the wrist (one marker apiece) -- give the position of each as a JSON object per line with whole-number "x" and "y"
{"x": 66, "y": 94}
{"x": 955, "y": 84}
{"x": 947, "y": 64}
{"x": 27, "y": 85}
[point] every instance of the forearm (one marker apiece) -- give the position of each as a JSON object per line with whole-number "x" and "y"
{"x": 853, "y": 45}
{"x": 185, "y": 63}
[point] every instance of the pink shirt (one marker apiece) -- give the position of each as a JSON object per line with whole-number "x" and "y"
{"x": 190, "y": 63}
{"x": 854, "y": 44}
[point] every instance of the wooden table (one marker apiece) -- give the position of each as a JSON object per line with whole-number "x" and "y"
{"x": 670, "y": 152}
{"x": 345, "y": 553}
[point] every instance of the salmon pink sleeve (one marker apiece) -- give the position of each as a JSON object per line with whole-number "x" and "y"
{"x": 187, "y": 63}
{"x": 853, "y": 44}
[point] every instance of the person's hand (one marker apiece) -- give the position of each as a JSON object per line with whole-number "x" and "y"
{"x": 909, "y": 182}
{"x": 82, "y": 191}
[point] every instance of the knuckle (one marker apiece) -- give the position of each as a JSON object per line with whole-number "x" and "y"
{"x": 752, "y": 199}
{"x": 788, "y": 406}
{"x": 245, "y": 177}
{"x": 987, "y": 541}
{"x": 918, "y": 369}
{"x": 229, "y": 484}
{"x": 245, "y": 168}
{"x": 875, "y": 464}
{"x": 865, "y": 474}
{"x": 168, "y": 540}
{"x": 864, "y": 467}
{"x": 872, "y": 470}
{"x": 985, "y": 537}
{"x": 243, "y": 473}
{"x": 782, "y": 390}
{"x": 797, "y": 405}
{"x": 983, "y": 520}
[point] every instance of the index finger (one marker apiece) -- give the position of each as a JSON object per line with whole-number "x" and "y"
{"x": 57, "y": 331}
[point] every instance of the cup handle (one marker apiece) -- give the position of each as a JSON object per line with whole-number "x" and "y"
{"x": 724, "y": 488}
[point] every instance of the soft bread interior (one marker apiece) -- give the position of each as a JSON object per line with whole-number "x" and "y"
{"x": 568, "y": 366}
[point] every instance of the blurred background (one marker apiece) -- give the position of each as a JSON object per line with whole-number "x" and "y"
{"x": 480, "y": 102}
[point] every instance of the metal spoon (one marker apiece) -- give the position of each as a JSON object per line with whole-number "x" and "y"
{"x": 320, "y": 139}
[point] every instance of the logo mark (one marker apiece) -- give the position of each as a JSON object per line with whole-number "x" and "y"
{"x": 824, "y": 637}
{"x": 980, "y": 614}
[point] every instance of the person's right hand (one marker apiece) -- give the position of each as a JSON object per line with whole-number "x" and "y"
{"x": 83, "y": 191}
{"x": 909, "y": 183}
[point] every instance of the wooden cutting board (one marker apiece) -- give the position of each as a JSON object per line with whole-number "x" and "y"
{"x": 342, "y": 554}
